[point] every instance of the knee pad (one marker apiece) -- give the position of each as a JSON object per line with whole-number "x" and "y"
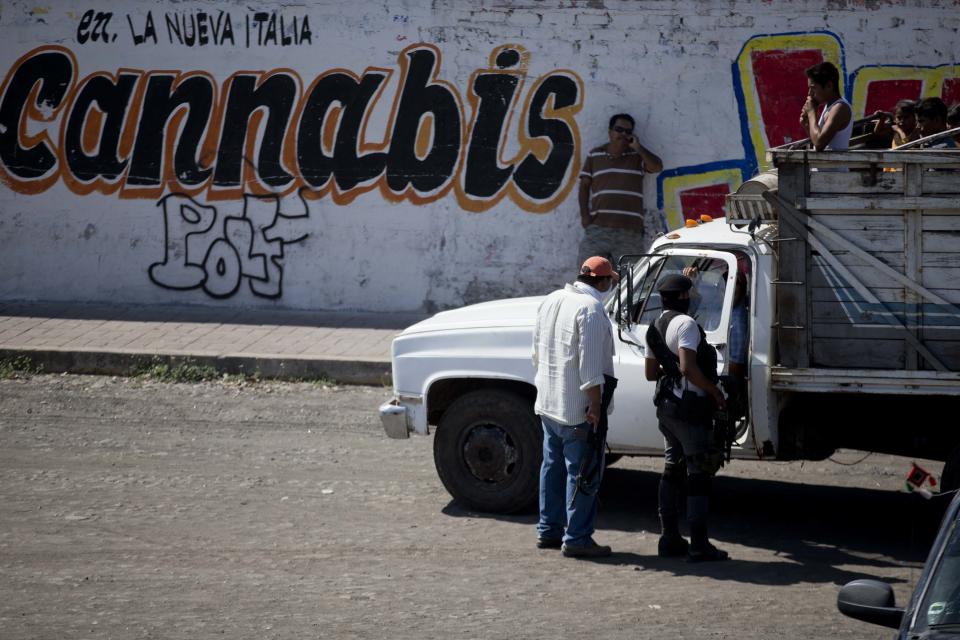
{"x": 698, "y": 484}
{"x": 675, "y": 473}
{"x": 708, "y": 463}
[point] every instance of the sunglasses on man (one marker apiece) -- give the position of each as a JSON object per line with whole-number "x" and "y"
{"x": 622, "y": 130}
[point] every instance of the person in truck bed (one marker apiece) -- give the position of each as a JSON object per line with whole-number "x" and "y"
{"x": 953, "y": 120}
{"x": 932, "y": 119}
{"x": 904, "y": 128}
{"x": 832, "y": 129}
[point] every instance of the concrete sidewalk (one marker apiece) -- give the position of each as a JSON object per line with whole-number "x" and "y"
{"x": 349, "y": 347}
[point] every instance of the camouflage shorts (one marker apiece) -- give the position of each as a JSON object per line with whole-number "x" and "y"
{"x": 610, "y": 243}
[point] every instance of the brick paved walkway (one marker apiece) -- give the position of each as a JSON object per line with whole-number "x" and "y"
{"x": 347, "y": 346}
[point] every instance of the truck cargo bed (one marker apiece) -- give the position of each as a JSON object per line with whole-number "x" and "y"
{"x": 868, "y": 268}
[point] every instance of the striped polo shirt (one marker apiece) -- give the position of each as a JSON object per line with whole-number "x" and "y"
{"x": 616, "y": 188}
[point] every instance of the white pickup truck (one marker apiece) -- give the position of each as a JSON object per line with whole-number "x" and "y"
{"x": 854, "y": 337}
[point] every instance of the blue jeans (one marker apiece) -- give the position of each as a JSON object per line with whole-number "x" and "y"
{"x": 562, "y": 514}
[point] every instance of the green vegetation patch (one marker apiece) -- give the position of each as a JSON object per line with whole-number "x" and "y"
{"x": 188, "y": 370}
{"x": 185, "y": 371}
{"x": 18, "y": 367}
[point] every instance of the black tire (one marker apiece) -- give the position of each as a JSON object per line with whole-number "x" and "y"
{"x": 487, "y": 449}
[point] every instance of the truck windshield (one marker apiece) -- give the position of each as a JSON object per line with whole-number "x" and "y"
{"x": 706, "y": 299}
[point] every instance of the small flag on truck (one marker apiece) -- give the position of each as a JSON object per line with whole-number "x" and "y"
{"x": 917, "y": 477}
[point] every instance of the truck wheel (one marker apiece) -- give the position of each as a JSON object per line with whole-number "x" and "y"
{"x": 487, "y": 449}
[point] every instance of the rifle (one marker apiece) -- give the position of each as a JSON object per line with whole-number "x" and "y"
{"x": 667, "y": 359}
{"x": 725, "y": 420}
{"x": 592, "y": 464}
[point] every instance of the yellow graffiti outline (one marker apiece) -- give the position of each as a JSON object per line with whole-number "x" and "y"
{"x": 928, "y": 77}
{"x": 827, "y": 44}
{"x": 33, "y": 186}
{"x": 672, "y": 210}
{"x": 540, "y": 147}
{"x": 943, "y": 72}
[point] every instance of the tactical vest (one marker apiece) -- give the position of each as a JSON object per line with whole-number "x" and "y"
{"x": 706, "y": 353}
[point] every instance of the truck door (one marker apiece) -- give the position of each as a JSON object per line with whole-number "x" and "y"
{"x": 633, "y": 424}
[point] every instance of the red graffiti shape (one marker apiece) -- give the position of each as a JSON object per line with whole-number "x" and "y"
{"x": 704, "y": 200}
{"x": 782, "y": 90}
{"x": 951, "y": 91}
{"x": 883, "y": 95}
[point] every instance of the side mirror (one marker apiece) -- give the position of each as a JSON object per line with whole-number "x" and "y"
{"x": 871, "y": 601}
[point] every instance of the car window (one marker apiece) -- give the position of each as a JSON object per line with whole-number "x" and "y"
{"x": 706, "y": 299}
{"x": 941, "y": 602}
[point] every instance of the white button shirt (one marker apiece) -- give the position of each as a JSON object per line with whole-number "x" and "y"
{"x": 572, "y": 350}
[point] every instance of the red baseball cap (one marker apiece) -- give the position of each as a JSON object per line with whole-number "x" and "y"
{"x": 599, "y": 267}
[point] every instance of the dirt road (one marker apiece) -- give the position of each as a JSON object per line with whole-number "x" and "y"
{"x": 132, "y": 509}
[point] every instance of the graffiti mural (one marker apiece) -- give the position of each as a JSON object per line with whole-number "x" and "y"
{"x": 770, "y": 88}
{"x": 686, "y": 193}
{"x": 878, "y": 88}
{"x": 222, "y": 152}
{"x": 146, "y": 133}
{"x": 770, "y": 85}
{"x": 440, "y": 140}
{"x": 203, "y": 248}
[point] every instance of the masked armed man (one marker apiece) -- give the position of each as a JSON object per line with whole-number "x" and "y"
{"x": 685, "y": 366}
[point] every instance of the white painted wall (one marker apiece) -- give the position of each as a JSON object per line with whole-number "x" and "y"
{"x": 669, "y": 63}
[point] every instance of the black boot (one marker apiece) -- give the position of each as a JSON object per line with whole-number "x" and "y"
{"x": 671, "y": 543}
{"x": 698, "y": 507}
{"x": 701, "y": 550}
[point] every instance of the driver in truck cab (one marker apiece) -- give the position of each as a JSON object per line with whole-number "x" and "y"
{"x": 684, "y": 365}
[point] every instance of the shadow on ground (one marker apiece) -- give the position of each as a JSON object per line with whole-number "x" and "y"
{"x": 817, "y": 533}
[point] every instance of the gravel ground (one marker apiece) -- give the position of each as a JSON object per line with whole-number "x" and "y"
{"x": 137, "y": 509}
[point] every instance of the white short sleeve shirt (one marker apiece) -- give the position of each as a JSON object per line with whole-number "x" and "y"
{"x": 682, "y": 333}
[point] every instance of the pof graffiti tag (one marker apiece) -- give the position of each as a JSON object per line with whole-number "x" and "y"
{"x": 198, "y": 252}
{"x": 146, "y": 133}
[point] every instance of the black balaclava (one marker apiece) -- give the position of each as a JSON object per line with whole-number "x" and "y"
{"x": 674, "y": 303}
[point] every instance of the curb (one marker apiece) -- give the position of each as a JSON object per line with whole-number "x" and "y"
{"x": 119, "y": 363}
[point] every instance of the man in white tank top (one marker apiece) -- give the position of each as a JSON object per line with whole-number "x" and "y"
{"x": 833, "y": 128}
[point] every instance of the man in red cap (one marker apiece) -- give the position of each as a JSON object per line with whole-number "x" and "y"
{"x": 572, "y": 352}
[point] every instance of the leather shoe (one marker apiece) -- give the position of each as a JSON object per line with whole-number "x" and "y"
{"x": 549, "y": 543}
{"x": 674, "y": 546}
{"x": 708, "y": 553}
{"x": 589, "y": 550}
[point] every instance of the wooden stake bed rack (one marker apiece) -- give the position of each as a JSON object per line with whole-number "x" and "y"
{"x": 870, "y": 243}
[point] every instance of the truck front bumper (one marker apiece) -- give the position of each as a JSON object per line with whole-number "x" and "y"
{"x": 393, "y": 415}
{"x": 404, "y": 414}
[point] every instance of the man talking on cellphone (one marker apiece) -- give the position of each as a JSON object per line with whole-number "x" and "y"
{"x": 611, "y": 193}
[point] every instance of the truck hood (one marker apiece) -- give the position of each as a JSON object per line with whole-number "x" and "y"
{"x": 515, "y": 312}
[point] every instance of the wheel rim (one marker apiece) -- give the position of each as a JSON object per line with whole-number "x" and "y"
{"x": 490, "y": 453}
